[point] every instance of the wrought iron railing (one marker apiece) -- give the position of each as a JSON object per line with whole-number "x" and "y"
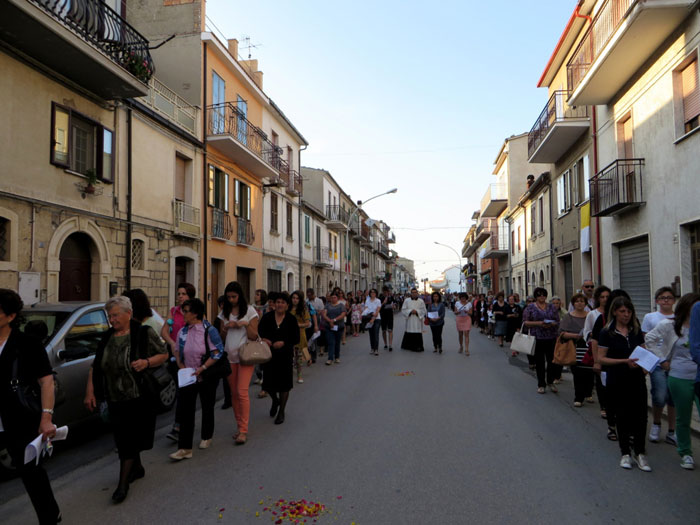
{"x": 337, "y": 213}
{"x": 556, "y": 110}
{"x": 105, "y": 29}
{"x": 186, "y": 217}
{"x": 165, "y": 101}
{"x": 294, "y": 185}
{"x": 617, "y": 186}
{"x": 597, "y": 36}
{"x": 323, "y": 256}
{"x": 244, "y": 232}
{"x": 227, "y": 119}
{"x": 221, "y": 227}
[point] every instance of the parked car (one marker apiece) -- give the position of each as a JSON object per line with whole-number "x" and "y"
{"x": 74, "y": 332}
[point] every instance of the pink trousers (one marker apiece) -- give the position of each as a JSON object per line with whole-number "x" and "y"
{"x": 239, "y": 381}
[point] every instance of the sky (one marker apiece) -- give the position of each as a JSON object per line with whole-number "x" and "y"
{"x": 407, "y": 94}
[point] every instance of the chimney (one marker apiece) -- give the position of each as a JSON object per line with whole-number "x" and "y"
{"x": 251, "y": 66}
{"x": 233, "y": 48}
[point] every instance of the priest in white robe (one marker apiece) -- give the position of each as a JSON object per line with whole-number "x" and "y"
{"x": 414, "y": 311}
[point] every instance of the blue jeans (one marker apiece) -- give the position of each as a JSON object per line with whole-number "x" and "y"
{"x": 333, "y": 339}
{"x": 374, "y": 335}
{"x": 660, "y": 395}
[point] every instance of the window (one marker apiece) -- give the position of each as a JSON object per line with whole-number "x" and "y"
{"x": 180, "y": 178}
{"x": 80, "y": 144}
{"x": 218, "y": 188}
{"x": 519, "y": 237}
{"x": 241, "y": 206}
{"x": 564, "y": 192}
{"x": 307, "y": 229}
{"x": 4, "y": 239}
{"x": 335, "y": 246}
{"x": 691, "y": 96}
{"x": 512, "y": 244}
{"x": 273, "y": 212}
{"x": 274, "y": 281}
{"x": 580, "y": 180}
{"x": 218, "y": 98}
{"x": 84, "y": 336}
{"x": 540, "y": 206}
{"x": 290, "y": 223}
{"x": 533, "y": 221}
{"x": 242, "y": 106}
{"x": 138, "y": 254}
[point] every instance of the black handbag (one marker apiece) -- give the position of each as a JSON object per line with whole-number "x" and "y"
{"x": 28, "y": 396}
{"x": 219, "y": 370}
{"x": 152, "y": 380}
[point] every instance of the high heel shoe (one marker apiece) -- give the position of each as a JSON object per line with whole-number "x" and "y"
{"x": 279, "y": 419}
{"x": 119, "y": 495}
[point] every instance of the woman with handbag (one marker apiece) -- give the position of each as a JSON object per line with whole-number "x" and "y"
{"x": 22, "y": 423}
{"x": 542, "y": 320}
{"x": 280, "y": 330}
{"x": 118, "y": 376}
{"x": 239, "y": 324}
{"x": 513, "y": 320}
{"x": 199, "y": 348}
{"x": 301, "y": 352}
{"x": 501, "y": 310}
{"x": 571, "y": 329}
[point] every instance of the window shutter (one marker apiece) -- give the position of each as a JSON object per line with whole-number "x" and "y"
{"x": 180, "y": 170}
{"x": 59, "y": 136}
{"x": 237, "y": 198}
{"x": 225, "y": 195}
{"x": 691, "y": 91}
{"x": 212, "y": 187}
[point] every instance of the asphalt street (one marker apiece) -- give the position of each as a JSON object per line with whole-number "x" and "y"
{"x": 400, "y": 438}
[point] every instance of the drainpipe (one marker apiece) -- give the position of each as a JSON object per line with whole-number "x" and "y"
{"x": 527, "y": 274}
{"x": 129, "y": 198}
{"x": 301, "y": 216}
{"x": 205, "y": 222}
{"x": 551, "y": 235}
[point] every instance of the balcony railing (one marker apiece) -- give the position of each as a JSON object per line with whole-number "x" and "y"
{"x": 244, "y": 232}
{"x": 221, "y": 227}
{"x": 556, "y": 110}
{"x": 497, "y": 243}
{"x": 294, "y": 187}
{"x": 617, "y": 188}
{"x": 323, "y": 256}
{"x": 391, "y": 238}
{"x": 105, "y": 29}
{"x": 186, "y": 219}
{"x": 594, "y": 41}
{"x": 495, "y": 200}
{"x": 227, "y": 119}
{"x": 336, "y": 213}
{"x": 172, "y": 106}
{"x": 383, "y": 249}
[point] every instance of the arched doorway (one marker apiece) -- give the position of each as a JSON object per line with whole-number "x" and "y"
{"x": 76, "y": 268}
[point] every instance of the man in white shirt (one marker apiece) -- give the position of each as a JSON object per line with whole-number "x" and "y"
{"x": 587, "y": 288}
{"x": 660, "y": 396}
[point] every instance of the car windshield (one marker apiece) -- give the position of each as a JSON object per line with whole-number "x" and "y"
{"x": 43, "y": 324}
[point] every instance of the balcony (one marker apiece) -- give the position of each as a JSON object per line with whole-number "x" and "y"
{"x": 83, "y": 40}
{"x": 496, "y": 244}
{"x": 236, "y": 137}
{"x": 364, "y": 236}
{"x": 336, "y": 217}
{"x": 495, "y": 200}
{"x": 186, "y": 221}
{"x": 391, "y": 238}
{"x": 623, "y": 35}
{"x": 294, "y": 184}
{"x": 558, "y": 127}
{"x": 244, "y": 232}
{"x": 483, "y": 230}
{"x": 221, "y": 227}
{"x": 617, "y": 188}
{"x": 383, "y": 250}
{"x": 323, "y": 257}
{"x": 168, "y": 104}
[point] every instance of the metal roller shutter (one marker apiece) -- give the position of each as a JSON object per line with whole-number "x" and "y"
{"x": 634, "y": 274}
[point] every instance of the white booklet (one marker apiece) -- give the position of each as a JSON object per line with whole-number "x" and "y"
{"x": 433, "y": 315}
{"x": 186, "y": 377}
{"x": 36, "y": 448}
{"x": 645, "y": 358}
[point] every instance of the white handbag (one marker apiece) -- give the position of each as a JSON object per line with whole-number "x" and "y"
{"x": 523, "y": 343}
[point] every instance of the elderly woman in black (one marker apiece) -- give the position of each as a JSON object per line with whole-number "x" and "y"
{"x": 279, "y": 329}
{"x": 21, "y": 425}
{"x": 118, "y": 377}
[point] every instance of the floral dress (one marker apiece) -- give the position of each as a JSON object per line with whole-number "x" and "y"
{"x": 356, "y": 316}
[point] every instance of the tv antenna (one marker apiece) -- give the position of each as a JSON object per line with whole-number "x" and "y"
{"x": 248, "y": 45}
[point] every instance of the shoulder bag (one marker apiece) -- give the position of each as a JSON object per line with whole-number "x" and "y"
{"x": 523, "y": 343}
{"x": 564, "y": 352}
{"x": 28, "y": 396}
{"x": 153, "y": 380}
{"x": 254, "y": 353}
{"x": 219, "y": 370}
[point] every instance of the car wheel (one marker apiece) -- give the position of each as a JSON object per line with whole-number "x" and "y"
{"x": 168, "y": 396}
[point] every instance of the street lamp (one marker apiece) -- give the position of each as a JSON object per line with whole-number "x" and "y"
{"x": 358, "y": 207}
{"x": 459, "y": 258}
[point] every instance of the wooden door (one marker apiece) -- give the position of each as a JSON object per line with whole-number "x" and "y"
{"x": 243, "y": 278}
{"x": 74, "y": 280}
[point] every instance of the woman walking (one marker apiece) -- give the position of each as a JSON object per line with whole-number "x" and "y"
{"x": 280, "y": 330}
{"x": 334, "y": 315}
{"x": 21, "y": 425}
{"x": 463, "y": 312}
{"x": 571, "y": 329}
{"x": 669, "y": 341}
{"x": 626, "y": 383}
{"x": 371, "y": 313}
{"x": 500, "y": 314}
{"x": 239, "y": 324}
{"x": 514, "y": 319}
{"x": 301, "y": 352}
{"x": 200, "y": 347}
{"x": 542, "y": 320}
{"x": 123, "y": 355}
{"x": 436, "y": 318}
{"x": 356, "y": 316}
{"x": 414, "y": 312}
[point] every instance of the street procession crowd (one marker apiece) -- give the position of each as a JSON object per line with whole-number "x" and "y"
{"x": 277, "y": 335}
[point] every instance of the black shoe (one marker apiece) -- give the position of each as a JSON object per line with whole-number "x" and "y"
{"x": 440, "y": 350}
{"x": 273, "y": 409}
{"x": 136, "y": 473}
{"x": 279, "y": 419}
{"x": 226, "y": 405}
{"x": 120, "y": 494}
{"x": 390, "y": 349}
{"x": 385, "y": 347}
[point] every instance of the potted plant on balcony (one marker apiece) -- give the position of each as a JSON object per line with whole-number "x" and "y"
{"x": 92, "y": 181}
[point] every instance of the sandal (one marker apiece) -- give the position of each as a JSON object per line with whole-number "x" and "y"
{"x": 241, "y": 439}
{"x": 612, "y": 435}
